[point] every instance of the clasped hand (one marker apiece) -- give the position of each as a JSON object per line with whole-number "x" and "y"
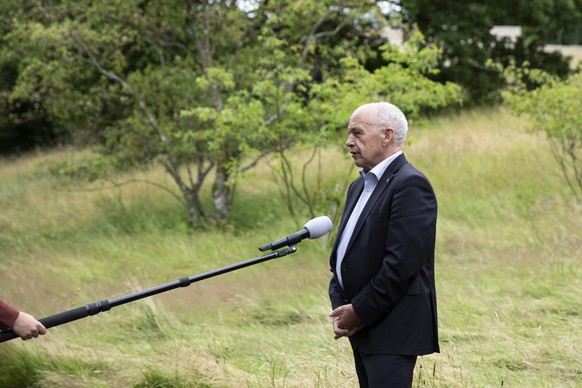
{"x": 345, "y": 321}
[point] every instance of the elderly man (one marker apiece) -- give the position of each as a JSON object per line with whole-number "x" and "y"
{"x": 383, "y": 289}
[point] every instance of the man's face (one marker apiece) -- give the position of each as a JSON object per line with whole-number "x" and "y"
{"x": 367, "y": 146}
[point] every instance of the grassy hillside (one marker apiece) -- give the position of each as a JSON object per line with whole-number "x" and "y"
{"x": 509, "y": 270}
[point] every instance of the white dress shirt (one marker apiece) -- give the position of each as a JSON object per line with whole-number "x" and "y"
{"x": 370, "y": 181}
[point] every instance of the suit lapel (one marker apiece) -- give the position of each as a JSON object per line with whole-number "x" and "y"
{"x": 351, "y": 201}
{"x": 381, "y": 187}
{"x": 353, "y": 194}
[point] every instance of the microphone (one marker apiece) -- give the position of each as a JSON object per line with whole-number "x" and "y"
{"x": 314, "y": 228}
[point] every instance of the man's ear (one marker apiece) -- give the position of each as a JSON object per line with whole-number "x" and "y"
{"x": 388, "y": 136}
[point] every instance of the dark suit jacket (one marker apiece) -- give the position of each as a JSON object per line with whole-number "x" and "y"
{"x": 388, "y": 268}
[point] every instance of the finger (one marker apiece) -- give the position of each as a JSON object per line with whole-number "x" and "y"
{"x": 354, "y": 330}
{"x": 340, "y": 333}
{"x": 344, "y": 323}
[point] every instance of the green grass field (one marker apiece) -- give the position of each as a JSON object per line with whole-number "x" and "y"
{"x": 509, "y": 275}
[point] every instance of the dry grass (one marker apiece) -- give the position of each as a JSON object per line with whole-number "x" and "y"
{"x": 509, "y": 272}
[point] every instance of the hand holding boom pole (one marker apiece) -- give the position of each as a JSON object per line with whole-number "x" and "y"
{"x": 108, "y": 304}
{"x": 314, "y": 228}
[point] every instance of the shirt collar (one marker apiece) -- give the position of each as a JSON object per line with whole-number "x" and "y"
{"x": 378, "y": 170}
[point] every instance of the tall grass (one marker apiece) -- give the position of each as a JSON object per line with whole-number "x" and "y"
{"x": 508, "y": 275}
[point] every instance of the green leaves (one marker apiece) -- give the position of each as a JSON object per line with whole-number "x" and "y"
{"x": 403, "y": 81}
{"x": 197, "y": 86}
{"x": 554, "y": 108}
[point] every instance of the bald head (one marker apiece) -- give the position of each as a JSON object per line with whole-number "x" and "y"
{"x": 375, "y": 132}
{"x": 383, "y": 115}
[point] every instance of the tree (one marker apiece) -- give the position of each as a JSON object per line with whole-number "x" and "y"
{"x": 554, "y": 107}
{"x": 23, "y": 123}
{"x": 404, "y": 81}
{"x": 461, "y": 30}
{"x": 118, "y": 74}
{"x": 202, "y": 88}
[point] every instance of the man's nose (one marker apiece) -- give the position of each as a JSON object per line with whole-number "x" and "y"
{"x": 350, "y": 141}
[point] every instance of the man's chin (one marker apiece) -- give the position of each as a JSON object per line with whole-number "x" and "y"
{"x": 358, "y": 163}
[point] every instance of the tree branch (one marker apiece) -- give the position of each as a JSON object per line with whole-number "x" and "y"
{"x": 313, "y": 36}
{"x": 254, "y": 162}
{"x": 114, "y": 77}
{"x": 130, "y": 181}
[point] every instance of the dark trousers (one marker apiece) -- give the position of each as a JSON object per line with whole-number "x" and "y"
{"x": 384, "y": 370}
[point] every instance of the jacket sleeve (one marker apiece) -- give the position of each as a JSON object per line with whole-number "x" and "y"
{"x": 408, "y": 242}
{"x": 336, "y": 294}
{"x": 8, "y": 315}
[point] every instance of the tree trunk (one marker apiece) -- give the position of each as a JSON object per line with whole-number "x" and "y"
{"x": 223, "y": 193}
{"x": 196, "y": 214}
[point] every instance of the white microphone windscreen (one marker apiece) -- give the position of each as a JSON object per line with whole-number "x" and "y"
{"x": 318, "y": 226}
